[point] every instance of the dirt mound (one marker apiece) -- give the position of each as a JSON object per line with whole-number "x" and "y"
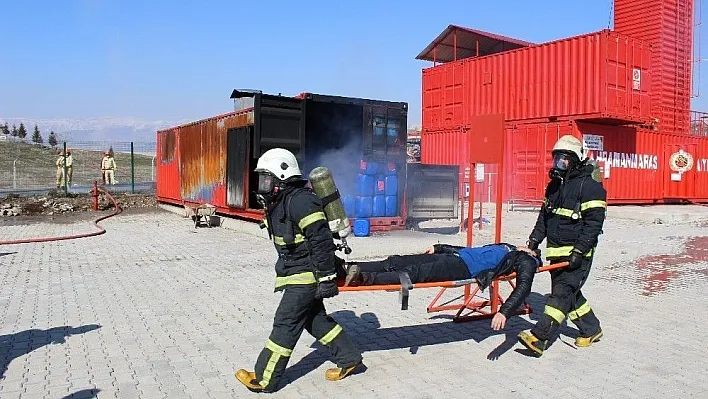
{"x": 55, "y": 202}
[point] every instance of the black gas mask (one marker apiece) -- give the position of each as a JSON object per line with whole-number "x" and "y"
{"x": 267, "y": 188}
{"x": 563, "y": 162}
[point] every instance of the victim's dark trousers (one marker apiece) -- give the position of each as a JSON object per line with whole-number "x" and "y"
{"x": 300, "y": 310}
{"x": 566, "y": 300}
{"x": 423, "y": 268}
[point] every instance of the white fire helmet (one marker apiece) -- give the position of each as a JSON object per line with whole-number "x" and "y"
{"x": 279, "y": 162}
{"x": 569, "y": 144}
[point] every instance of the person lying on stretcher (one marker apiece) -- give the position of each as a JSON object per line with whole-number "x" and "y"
{"x": 443, "y": 262}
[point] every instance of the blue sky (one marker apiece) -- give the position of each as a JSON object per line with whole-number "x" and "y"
{"x": 179, "y": 60}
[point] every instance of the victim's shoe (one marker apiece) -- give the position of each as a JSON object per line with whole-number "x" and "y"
{"x": 353, "y": 275}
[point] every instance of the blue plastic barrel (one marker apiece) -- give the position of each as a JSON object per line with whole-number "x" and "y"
{"x": 349, "y": 203}
{"x": 369, "y": 168}
{"x": 391, "y": 185}
{"x": 391, "y": 168}
{"x": 379, "y": 206}
{"x": 380, "y": 187}
{"x": 364, "y": 207}
{"x": 365, "y": 185}
{"x": 391, "y": 205}
{"x": 361, "y": 227}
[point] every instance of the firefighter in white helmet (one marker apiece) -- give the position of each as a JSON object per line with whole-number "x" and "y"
{"x": 306, "y": 272}
{"x": 570, "y": 220}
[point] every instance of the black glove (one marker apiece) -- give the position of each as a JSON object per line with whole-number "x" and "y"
{"x": 327, "y": 287}
{"x": 532, "y": 244}
{"x": 575, "y": 259}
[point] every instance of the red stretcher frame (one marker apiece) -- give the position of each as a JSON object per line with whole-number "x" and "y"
{"x": 476, "y": 308}
{"x": 486, "y": 145}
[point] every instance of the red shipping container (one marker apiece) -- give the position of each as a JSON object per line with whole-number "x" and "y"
{"x": 639, "y": 166}
{"x": 667, "y": 26}
{"x": 603, "y": 76}
{"x": 191, "y": 166}
{"x": 639, "y": 162}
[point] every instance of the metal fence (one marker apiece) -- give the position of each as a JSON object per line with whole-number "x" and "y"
{"x": 29, "y": 166}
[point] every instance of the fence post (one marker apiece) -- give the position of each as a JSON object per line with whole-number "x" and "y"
{"x": 132, "y": 169}
{"x": 14, "y": 174}
{"x": 66, "y": 186}
{"x": 152, "y": 170}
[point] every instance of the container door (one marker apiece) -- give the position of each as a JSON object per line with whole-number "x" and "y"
{"x": 432, "y": 191}
{"x": 679, "y": 172}
{"x": 278, "y": 123}
{"x": 237, "y": 166}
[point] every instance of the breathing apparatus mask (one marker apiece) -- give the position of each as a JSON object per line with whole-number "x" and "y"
{"x": 267, "y": 188}
{"x": 563, "y": 162}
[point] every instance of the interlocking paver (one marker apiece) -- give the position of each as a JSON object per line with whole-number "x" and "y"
{"x": 155, "y": 308}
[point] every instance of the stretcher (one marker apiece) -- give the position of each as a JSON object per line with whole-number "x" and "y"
{"x": 469, "y": 308}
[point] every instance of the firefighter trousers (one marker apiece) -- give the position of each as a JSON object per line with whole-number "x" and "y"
{"x": 566, "y": 300}
{"x": 300, "y": 310}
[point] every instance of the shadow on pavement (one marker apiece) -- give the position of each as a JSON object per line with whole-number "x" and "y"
{"x": 7, "y": 253}
{"x": 83, "y": 394}
{"x": 367, "y": 334}
{"x": 15, "y": 345}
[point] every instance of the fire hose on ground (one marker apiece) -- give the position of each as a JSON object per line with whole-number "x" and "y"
{"x": 101, "y": 230}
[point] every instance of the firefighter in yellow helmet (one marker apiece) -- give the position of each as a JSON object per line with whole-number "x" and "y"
{"x": 306, "y": 271}
{"x": 570, "y": 220}
{"x": 108, "y": 168}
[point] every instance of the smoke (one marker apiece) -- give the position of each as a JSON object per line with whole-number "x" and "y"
{"x": 334, "y": 140}
{"x": 342, "y": 162}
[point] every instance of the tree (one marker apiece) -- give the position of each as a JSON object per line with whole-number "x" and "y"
{"x": 5, "y": 129}
{"x": 22, "y": 131}
{"x": 14, "y": 131}
{"x": 52, "y": 139}
{"x": 36, "y": 136}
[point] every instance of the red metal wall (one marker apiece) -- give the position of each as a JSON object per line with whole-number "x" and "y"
{"x": 667, "y": 25}
{"x": 639, "y": 162}
{"x": 192, "y": 165}
{"x": 639, "y": 169}
{"x": 588, "y": 76}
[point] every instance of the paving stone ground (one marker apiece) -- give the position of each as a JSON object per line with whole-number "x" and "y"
{"x": 156, "y": 308}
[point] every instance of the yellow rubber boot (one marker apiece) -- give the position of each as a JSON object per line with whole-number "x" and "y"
{"x": 535, "y": 345}
{"x": 584, "y": 342}
{"x": 338, "y": 373}
{"x": 248, "y": 379}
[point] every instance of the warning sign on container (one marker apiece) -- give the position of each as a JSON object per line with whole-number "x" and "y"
{"x": 592, "y": 142}
{"x": 636, "y": 78}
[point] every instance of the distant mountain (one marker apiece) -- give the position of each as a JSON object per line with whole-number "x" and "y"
{"x": 94, "y": 129}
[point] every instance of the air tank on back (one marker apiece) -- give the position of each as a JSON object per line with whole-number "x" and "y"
{"x": 323, "y": 185}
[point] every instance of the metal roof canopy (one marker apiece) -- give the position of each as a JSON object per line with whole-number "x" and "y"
{"x": 457, "y": 42}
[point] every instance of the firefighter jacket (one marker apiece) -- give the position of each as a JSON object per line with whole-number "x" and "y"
{"x": 108, "y": 163}
{"x": 520, "y": 262}
{"x": 69, "y": 161}
{"x": 298, "y": 226}
{"x": 572, "y": 215}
